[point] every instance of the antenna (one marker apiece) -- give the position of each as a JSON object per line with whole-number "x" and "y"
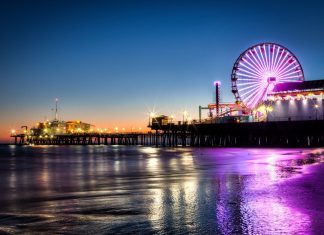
{"x": 56, "y": 113}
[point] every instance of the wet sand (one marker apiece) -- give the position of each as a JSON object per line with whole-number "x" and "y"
{"x": 144, "y": 190}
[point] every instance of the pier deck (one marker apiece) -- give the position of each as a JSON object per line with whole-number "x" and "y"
{"x": 265, "y": 134}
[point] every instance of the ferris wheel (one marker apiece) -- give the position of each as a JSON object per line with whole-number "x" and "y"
{"x": 258, "y": 69}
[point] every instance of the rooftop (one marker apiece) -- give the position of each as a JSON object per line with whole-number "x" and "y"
{"x": 299, "y": 86}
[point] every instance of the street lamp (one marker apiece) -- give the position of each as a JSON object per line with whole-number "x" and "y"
{"x": 151, "y": 116}
{"x": 316, "y": 109}
{"x": 217, "y": 85}
{"x": 184, "y": 115}
{"x": 172, "y": 118}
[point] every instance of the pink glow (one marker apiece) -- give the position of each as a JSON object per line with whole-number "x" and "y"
{"x": 217, "y": 83}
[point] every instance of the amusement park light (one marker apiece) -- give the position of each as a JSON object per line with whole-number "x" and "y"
{"x": 316, "y": 106}
{"x": 184, "y": 116}
{"x": 13, "y": 131}
{"x": 269, "y": 109}
{"x": 217, "y": 83}
{"x": 259, "y": 69}
{"x": 152, "y": 114}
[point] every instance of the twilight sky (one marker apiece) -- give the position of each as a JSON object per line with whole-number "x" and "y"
{"x": 111, "y": 62}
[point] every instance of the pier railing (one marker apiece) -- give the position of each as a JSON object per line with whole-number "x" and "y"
{"x": 269, "y": 134}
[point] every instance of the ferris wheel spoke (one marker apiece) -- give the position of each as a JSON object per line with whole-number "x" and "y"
{"x": 259, "y": 59}
{"x": 255, "y": 59}
{"x": 248, "y": 72}
{"x": 250, "y": 92}
{"x": 288, "y": 74}
{"x": 279, "y": 66}
{"x": 247, "y": 94}
{"x": 252, "y": 77}
{"x": 248, "y": 78}
{"x": 256, "y": 65}
{"x": 287, "y": 70}
{"x": 251, "y": 67}
{"x": 249, "y": 87}
{"x": 246, "y": 84}
{"x": 256, "y": 99}
{"x": 266, "y": 57}
{"x": 284, "y": 68}
{"x": 263, "y": 60}
{"x": 280, "y": 52}
{"x": 284, "y": 65}
{"x": 272, "y": 50}
{"x": 256, "y": 73}
{"x": 275, "y": 59}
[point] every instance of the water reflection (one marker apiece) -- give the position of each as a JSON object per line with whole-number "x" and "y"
{"x": 100, "y": 189}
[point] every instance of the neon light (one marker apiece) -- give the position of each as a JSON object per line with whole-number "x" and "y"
{"x": 257, "y": 71}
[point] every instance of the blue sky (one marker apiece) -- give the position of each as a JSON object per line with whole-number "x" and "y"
{"x": 110, "y": 62}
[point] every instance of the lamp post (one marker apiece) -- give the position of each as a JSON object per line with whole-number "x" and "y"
{"x": 316, "y": 109}
{"x": 217, "y": 85}
{"x": 184, "y": 115}
{"x": 151, "y": 116}
{"x": 172, "y": 118}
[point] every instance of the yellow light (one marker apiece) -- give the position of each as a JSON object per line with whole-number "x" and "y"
{"x": 152, "y": 114}
{"x": 52, "y": 136}
{"x": 269, "y": 109}
{"x": 45, "y": 130}
{"x": 13, "y": 131}
{"x": 185, "y": 113}
{"x": 57, "y": 129}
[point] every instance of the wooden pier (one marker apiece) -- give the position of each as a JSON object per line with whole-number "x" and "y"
{"x": 257, "y": 134}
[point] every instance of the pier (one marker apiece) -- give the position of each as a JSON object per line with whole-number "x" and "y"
{"x": 256, "y": 134}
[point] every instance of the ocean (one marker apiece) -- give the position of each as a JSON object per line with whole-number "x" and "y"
{"x": 148, "y": 190}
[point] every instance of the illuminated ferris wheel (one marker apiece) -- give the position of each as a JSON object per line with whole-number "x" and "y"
{"x": 259, "y": 68}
